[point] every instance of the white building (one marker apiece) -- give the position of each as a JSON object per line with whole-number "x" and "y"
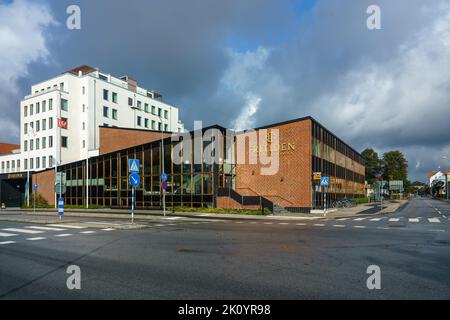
{"x": 84, "y": 98}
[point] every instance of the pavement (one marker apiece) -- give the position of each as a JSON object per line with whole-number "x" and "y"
{"x": 203, "y": 258}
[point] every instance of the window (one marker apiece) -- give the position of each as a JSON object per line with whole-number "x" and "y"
{"x": 166, "y": 127}
{"x": 159, "y": 112}
{"x": 114, "y": 114}
{"x": 105, "y": 94}
{"x": 84, "y": 126}
{"x": 50, "y": 123}
{"x": 146, "y": 123}
{"x": 84, "y": 144}
{"x": 50, "y": 104}
{"x": 153, "y": 124}
{"x": 44, "y": 162}
{"x": 166, "y": 114}
{"x": 84, "y": 108}
{"x": 38, "y": 163}
{"x": 130, "y": 102}
{"x": 25, "y": 145}
{"x": 31, "y": 110}
{"x": 25, "y": 111}
{"x": 154, "y": 110}
{"x": 106, "y": 112}
{"x": 146, "y": 107}
{"x": 44, "y": 142}
{"x": 31, "y": 145}
{"x": 25, "y": 128}
{"x": 44, "y": 106}
{"x": 64, "y": 142}
{"x": 103, "y": 77}
{"x": 64, "y": 105}
{"x": 26, "y": 164}
{"x": 139, "y": 105}
{"x": 114, "y": 97}
{"x": 50, "y": 161}
{"x": 50, "y": 141}
{"x": 44, "y": 124}
{"x": 38, "y": 107}
{"x": 18, "y": 165}
{"x": 31, "y": 163}
{"x": 61, "y": 86}
{"x": 66, "y": 121}
{"x": 139, "y": 121}
{"x": 38, "y": 126}
{"x": 38, "y": 144}
{"x": 159, "y": 126}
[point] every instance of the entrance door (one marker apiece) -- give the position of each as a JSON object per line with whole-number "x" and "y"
{"x": 13, "y": 192}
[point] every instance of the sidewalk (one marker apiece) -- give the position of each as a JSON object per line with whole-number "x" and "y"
{"x": 51, "y": 214}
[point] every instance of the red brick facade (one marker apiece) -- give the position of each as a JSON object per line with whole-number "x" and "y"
{"x": 45, "y": 181}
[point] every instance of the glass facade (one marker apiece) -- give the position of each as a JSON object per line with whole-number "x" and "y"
{"x": 189, "y": 184}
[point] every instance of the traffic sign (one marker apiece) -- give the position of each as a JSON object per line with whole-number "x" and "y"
{"x": 164, "y": 176}
{"x": 317, "y": 175}
{"x": 35, "y": 187}
{"x": 134, "y": 179}
{"x": 60, "y": 188}
{"x": 325, "y": 181}
{"x": 133, "y": 165}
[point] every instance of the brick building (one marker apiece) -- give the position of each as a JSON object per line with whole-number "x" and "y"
{"x": 208, "y": 170}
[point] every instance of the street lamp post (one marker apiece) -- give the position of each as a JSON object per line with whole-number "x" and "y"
{"x": 162, "y": 165}
{"x": 446, "y": 175}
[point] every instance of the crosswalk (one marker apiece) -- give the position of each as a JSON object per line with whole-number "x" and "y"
{"x": 34, "y": 233}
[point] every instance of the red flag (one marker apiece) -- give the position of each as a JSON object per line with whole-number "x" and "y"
{"x": 62, "y": 123}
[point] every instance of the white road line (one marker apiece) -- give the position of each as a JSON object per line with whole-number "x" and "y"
{"x": 413, "y": 220}
{"x": 434, "y": 220}
{"x": 319, "y": 225}
{"x": 268, "y": 222}
{"x": 437, "y": 230}
{"x": 108, "y": 229}
{"x": 359, "y": 227}
{"x": 300, "y": 224}
{"x": 343, "y": 219}
{"x": 359, "y": 219}
{"x": 69, "y": 226}
{"x": 283, "y": 223}
{"x": 87, "y": 232}
{"x": 36, "y": 239}
{"x": 383, "y": 228}
{"x": 45, "y": 228}
{"x": 7, "y": 242}
{"x": 440, "y": 212}
{"x": 394, "y": 220}
{"x": 63, "y": 235}
{"x": 2, "y": 234}
{"x": 253, "y": 222}
{"x": 172, "y": 218}
{"x": 22, "y": 230}
{"x": 339, "y": 226}
{"x": 239, "y": 222}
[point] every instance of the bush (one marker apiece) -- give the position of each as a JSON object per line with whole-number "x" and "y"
{"x": 39, "y": 200}
{"x": 360, "y": 200}
{"x": 221, "y": 210}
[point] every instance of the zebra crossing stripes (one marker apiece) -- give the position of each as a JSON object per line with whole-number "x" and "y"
{"x": 434, "y": 220}
{"x": 36, "y": 239}
{"x": 45, "y": 228}
{"x": 6, "y": 242}
{"x": 22, "y": 230}
{"x": 3, "y": 234}
{"x": 394, "y": 220}
{"x": 414, "y": 220}
{"x": 63, "y": 225}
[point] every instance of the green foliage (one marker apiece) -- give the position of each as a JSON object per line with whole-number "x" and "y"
{"x": 373, "y": 164}
{"x": 360, "y": 200}
{"x": 395, "y": 167}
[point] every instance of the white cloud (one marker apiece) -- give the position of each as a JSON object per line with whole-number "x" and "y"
{"x": 22, "y": 41}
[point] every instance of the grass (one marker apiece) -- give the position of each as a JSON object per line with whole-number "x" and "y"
{"x": 360, "y": 200}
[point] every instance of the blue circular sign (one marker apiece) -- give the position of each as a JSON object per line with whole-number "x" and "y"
{"x": 164, "y": 176}
{"x": 35, "y": 187}
{"x": 134, "y": 179}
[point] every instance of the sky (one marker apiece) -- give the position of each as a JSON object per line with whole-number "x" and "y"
{"x": 243, "y": 64}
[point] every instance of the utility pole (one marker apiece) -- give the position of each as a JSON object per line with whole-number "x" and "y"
{"x": 162, "y": 165}
{"x": 446, "y": 175}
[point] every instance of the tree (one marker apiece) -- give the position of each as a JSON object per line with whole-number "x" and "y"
{"x": 395, "y": 166}
{"x": 373, "y": 164}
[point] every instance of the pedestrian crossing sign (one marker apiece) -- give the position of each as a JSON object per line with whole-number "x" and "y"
{"x": 133, "y": 165}
{"x": 324, "y": 181}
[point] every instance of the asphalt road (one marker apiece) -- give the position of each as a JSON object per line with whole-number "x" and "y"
{"x": 239, "y": 259}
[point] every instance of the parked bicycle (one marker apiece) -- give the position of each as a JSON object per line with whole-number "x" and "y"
{"x": 343, "y": 203}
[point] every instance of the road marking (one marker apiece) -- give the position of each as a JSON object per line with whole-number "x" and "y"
{"x": 70, "y": 226}
{"x": 376, "y": 219}
{"x": 172, "y": 218}
{"x": 300, "y": 224}
{"x": 45, "y": 228}
{"x": 253, "y": 222}
{"x": 394, "y": 219}
{"x": 440, "y": 212}
{"x": 7, "y": 242}
{"x": 413, "y": 220}
{"x": 283, "y": 223}
{"x": 383, "y": 228}
{"x": 239, "y": 222}
{"x": 319, "y": 225}
{"x": 7, "y": 234}
{"x": 36, "y": 239}
{"x": 268, "y": 222}
{"x": 108, "y": 229}
{"x": 23, "y": 230}
{"x": 339, "y": 226}
{"x": 359, "y": 227}
{"x": 63, "y": 235}
{"x": 359, "y": 219}
{"x": 434, "y": 220}
{"x": 343, "y": 219}
{"x": 87, "y": 232}
{"x": 437, "y": 230}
